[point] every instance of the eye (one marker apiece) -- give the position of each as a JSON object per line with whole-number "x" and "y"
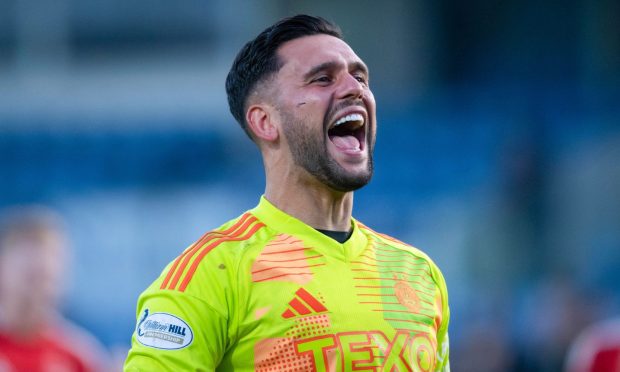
{"x": 324, "y": 79}
{"x": 361, "y": 78}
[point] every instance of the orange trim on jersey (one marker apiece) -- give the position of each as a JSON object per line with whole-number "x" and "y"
{"x": 207, "y": 249}
{"x": 187, "y": 255}
{"x": 238, "y": 231}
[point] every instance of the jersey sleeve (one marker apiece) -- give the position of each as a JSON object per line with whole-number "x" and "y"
{"x": 176, "y": 331}
{"x": 184, "y": 328}
{"x": 443, "y": 342}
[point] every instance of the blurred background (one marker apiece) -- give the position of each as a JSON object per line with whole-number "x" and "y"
{"x": 498, "y": 150}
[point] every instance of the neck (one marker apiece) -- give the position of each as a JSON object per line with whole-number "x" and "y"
{"x": 313, "y": 203}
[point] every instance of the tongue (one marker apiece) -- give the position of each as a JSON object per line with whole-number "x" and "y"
{"x": 346, "y": 142}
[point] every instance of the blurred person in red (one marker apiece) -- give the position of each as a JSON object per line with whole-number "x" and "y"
{"x": 33, "y": 334}
{"x": 596, "y": 349}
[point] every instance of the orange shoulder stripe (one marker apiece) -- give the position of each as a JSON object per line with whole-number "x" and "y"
{"x": 239, "y": 230}
{"x": 189, "y": 252}
{"x": 207, "y": 249}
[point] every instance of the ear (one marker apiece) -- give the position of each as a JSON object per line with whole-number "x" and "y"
{"x": 262, "y": 121}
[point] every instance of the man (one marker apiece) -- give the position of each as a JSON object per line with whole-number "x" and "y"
{"x": 297, "y": 284}
{"x": 33, "y": 335}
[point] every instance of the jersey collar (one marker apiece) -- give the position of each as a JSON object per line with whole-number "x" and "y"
{"x": 282, "y": 222}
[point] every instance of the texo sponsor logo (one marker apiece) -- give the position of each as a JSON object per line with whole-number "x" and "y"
{"x": 369, "y": 351}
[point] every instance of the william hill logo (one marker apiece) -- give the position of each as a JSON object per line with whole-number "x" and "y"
{"x": 176, "y": 329}
{"x": 163, "y": 331}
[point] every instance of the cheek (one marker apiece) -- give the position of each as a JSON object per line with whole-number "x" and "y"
{"x": 308, "y": 96}
{"x": 369, "y": 98}
{"x": 13, "y": 276}
{"x": 308, "y": 109}
{"x": 306, "y": 102}
{"x": 8, "y": 275}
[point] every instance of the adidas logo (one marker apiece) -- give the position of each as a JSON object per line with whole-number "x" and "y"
{"x": 303, "y": 304}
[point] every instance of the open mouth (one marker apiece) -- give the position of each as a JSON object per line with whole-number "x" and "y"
{"x": 348, "y": 132}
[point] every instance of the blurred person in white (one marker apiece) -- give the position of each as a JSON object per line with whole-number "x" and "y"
{"x": 34, "y": 336}
{"x": 596, "y": 349}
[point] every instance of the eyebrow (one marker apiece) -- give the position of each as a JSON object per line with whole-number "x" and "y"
{"x": 331, "y": 65}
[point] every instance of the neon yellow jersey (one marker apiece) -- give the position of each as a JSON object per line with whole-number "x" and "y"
{"x": 266, "y": 292}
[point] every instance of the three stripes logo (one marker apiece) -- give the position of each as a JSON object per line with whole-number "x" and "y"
{"x": 303, "y": 304}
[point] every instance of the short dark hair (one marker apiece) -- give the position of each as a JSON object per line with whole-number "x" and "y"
{"x": 258, "y": 59}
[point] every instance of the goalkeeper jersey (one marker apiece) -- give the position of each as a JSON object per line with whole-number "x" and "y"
{"x": 266, "y": 292}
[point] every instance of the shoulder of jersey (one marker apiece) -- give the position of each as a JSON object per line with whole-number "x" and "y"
{"x": 393, "y": 242}
{"x": 181, "y": 271}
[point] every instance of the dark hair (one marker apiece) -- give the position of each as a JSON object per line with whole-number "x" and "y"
{"x": 258, "y": 59}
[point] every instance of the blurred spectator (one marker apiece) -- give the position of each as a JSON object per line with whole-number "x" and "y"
{"x": 550, "y": 316}
{"x": 33, "y": 335}
{"x": 484, "y": 347}
{"x": 596, "y": 349}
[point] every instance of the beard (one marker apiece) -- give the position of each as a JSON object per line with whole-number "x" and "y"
{"x": 310, "y": 152}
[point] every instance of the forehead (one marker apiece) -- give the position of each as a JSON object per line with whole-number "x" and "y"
{"x": 300, "y": 55}
{"x": 42, "y": 239}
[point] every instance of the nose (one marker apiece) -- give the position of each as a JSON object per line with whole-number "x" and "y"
{"x": 350, "y": 87}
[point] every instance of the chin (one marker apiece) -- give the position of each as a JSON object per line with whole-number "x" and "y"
{"x": 348, "y": 184}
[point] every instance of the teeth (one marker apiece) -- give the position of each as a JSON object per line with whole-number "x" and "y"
{"x": 352, "y": 117}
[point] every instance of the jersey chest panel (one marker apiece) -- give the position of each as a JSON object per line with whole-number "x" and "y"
{"x": 311, "y": 312}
